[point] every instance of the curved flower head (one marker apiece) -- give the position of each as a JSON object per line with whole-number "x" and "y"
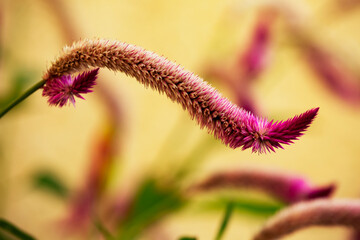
{"x": 64, "y": 89}
{"x": 226, "y": 121}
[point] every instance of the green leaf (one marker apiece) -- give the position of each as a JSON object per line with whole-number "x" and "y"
{"x": 48, "y": 181}
{"x": 8, "y": 227}
{"x": 258, "y": 207}
{"x": 251, "y": 206}
{"x": 228, "y": 212}
{"x": 187, "y": 238}
{"x": 151, "y": 203}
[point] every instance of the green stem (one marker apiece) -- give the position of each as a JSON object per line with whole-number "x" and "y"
{"x": 225, "y": 221}
{"x": 101, "y": 228}
{"x": 15, "y": 231}
{"x": 23, "y": 97}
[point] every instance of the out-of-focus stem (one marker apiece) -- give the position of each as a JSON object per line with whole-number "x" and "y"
{"x": 64, "y": 19}
{"x": 14, "y": 231}
{"x": 228, "y": 212}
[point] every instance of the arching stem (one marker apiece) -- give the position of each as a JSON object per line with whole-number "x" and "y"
{"x": 22, "y": 97}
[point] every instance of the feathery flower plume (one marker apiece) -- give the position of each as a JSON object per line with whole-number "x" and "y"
{"x": 64, "y": 89}
{"x": 285, "y": 187}
{"x": 233, "y": 125}
{"x": 322, "y": 212}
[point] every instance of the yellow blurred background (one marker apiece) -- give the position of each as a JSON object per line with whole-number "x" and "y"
{"x": 191, "y": 33}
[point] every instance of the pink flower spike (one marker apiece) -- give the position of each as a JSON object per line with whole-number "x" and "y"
{"x": 288, "y": 188}
{"x": 263, "y": 136}
{"x": 63, "y": 89}
{"x": 226, "y": 121}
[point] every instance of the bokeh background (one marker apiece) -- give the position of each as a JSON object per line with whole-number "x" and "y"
{"x": 154, "y": 136}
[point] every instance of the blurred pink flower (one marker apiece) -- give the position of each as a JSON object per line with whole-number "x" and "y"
{"x": 84, "y": 203}
{"x": 355, "y": 235}
{"x": 346, "y": 5}
{"x": 254, "y": 59}
{"x": 283, "y": 186}
{"x": 248, "y": 64}
{"x": 62, "y": 89}
{"x": 320, "y": 212}
{"x": 333, "y": 73}
{"x": 240, "y": 87}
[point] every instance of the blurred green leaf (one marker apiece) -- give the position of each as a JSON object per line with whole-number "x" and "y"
{"x": 228, "y": 212}
{"x": 258, "y": 207}
{"x": 152, "y": 202}
{"x": 7, "y": 227}
{"x": 252, "y": 206}
{"x": 187, "y": 238}
{"x": 46, "y": 180}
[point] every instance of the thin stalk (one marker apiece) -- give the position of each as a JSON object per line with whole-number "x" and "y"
{"x": 23, "y": 97}
{"x": 101, "y": 228}
{"x": 14, "y": 230}
{"x": 225, "y": 221}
